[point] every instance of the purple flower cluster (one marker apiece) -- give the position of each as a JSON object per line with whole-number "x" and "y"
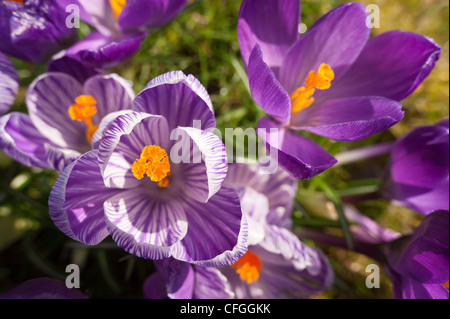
{"x": 140, "y": 169}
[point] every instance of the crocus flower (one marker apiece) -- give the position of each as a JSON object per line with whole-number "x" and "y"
{"x": 417, "y": 263}
{"x": 331, "y": 81}
{"x": 43, "y": 288}
{"x": 418, "y": 172}
{"x": 63, "y": 115}
{"x": 33, "y": 30}
{"x": 147, "y": 186}
{"x": 276, "y": 264}
{"x": 9, "y": 84}
{"x": 120, "y": 27}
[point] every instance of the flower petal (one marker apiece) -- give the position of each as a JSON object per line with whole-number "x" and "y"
{"x": 266, "y": 91}
{"x": 21, "y": 140}
{"x": 335, "y": 39}
{"x": 62, "y": 63}
{"x": 48, "y": 99}
{"x": 149, "y": 14}
{"x": 272, "y": 25}
{"x": 299, "y": 156}
{"x": 148, "y": 235}
{"x": 76, "y": 200}
{"x": 103, "y": 52}
{"x": 349, "y": 119}
{"x": 407, "y": 288}
{"x": 9, "y": 83}
{"x": 181, "y": 99}
{"x": 217, "y": 233}
{"x": 391, "y": 65}
{"x": 179, "y": 278}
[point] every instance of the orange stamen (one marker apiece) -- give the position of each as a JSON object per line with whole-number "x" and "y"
{"x": 117, "y": 6}
{"x": 248, "y": 267}
{"x": 84, "y": 110}
{"x": 153, "y": 162}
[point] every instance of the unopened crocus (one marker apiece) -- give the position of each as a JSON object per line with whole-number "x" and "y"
{"x": 9, "y": 83}
{"x": 417, "y": 175}
{"x": 332, "y": 81}
{"x": 43, "y": 288}
{"x": 63, "y": 115}
{"x": 276, "y": 264}
{"x": 33, "y": 30}
{"x": 154, "y": 183}
{"x": 120, "y": 27}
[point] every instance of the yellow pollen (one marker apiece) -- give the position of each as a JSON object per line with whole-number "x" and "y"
{"x": 303, "y": 96}
{"x": 248, "y": 267}
{"x": 117, "y": 6}
{"x": 84, "y": 110}
{"x": 153, "y": 162}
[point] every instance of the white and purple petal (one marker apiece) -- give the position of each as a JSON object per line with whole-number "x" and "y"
{"x": 9, "y": 83}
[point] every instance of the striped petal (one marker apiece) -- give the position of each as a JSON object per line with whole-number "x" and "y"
{"x": 9, "y": 84}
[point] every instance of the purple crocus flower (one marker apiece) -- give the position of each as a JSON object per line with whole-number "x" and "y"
{"x": 9, "y": 83}
{"x": 43, "y": 288}
{"x": 63, "y": 115}
{"x": 276, "y": 265}
{"x": 33, "y": 30}
{"x": 331, "y": 81}
{"x": 178, "y": 209}
{"x": 418, "y": 172}
{"x": 120, "y": 27}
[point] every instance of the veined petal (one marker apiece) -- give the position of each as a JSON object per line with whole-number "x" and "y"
{"x": 9, "y": 83}
{"x": 335, "y": 39}
{"x": 266, "y": 91}
{"x": 205, "y": 167}
{"x": 112, "y": 93}
{"x": 62, "y": 63}
{"x": 76, "y": 200}
{"x": 123, "y": 142}
{"x": 217, "y": 233}
{"x": 21, "y": 140}
{"x": 270, "y": 24}
{"x": 179, "y": 278}
{"x": 145, "y": 224}
{"x": 48, "y": 99}
{"x": 391, "y": 65}
{"x": 407, "y": 288}
{"x": 210, "y": 283}
{"x": 179, "y": 98}
{"x": 149, "y": 14}
{"x": 349, "y": 119}
{"x": 299, "y": 156}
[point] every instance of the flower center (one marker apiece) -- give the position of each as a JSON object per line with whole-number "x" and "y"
{"x": 321, "y": 80}
{"x": 248, "y": 267}
{"x": 445, "y": 285}
{"x": 84, "y": 110}
{"x": 154, "y": 162}
{"x": 117, "y": 6}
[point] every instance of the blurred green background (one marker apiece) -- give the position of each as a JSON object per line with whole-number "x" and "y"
{"x": 202, "y": 41}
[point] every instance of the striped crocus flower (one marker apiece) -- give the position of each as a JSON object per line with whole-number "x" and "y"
{"x": 9, "y": 84}
{"x": 332, "y": 81}
{"x": 63, "y": 115}
{"x": 154, "y": 183}
{"x": 120, "y": 26}
{"x": 33, "y": 30}
{"x": 276, "y": 264}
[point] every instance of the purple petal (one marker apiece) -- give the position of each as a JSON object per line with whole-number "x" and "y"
{"x": 70, "y": 66}
{"x": 423, "y": 256}
{"x": 407, "y": 288}
{"x": 154, "y": 287}
{"x": 122, "y": 143}
{"x": 179, "y": 98}
{"x": 149, "y": 14}
{"x": 203, "y": 178}
{"x": 217, "y": 233}
{"x": 7, "y": 8}
{"x": 76, "y": 200}
{"x": 419, "y": 169}
{"x": 21, "y": 140}
{"x": 266, "y": 91}
{"x": 299, "y": 156}
{"x": 391, "y": 65}
{"x": 272, "y": 25}
{"x": 150, "y": 235}
{"x": 43, "y": 288}
{"x": 102, "y": 52}
{"x": 335, "y": 39}
{"x": 48, "y": 99}
{"x": 349, "y": 119}
{"x": 9, "y": 83}
{"x": 210, "y": 283}
{"x": 112, "y": 93}
{"x": 179, "y": 278}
